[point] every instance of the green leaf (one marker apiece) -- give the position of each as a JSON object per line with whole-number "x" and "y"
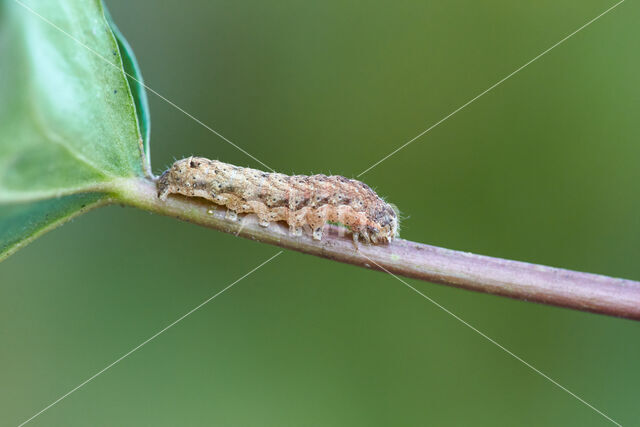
{"x": 23, "y": 222}
{"x": 136, "y": 83}
{"x": 73, "y": 114}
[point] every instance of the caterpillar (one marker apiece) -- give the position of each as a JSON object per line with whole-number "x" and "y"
{"x": 301, "y": 201}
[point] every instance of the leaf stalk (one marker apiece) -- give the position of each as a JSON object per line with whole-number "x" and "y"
{"x": 514, "y": 279}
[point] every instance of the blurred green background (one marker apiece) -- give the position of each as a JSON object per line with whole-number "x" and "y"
{"x": 543, "y": 169}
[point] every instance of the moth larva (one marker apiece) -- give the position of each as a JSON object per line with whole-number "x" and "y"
{"x": 299, "y": 200}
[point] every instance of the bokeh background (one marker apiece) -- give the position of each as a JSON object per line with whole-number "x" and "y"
{"x": 544, "y": 168}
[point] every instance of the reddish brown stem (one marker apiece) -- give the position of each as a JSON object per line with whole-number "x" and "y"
{"x": 514, "y": 279}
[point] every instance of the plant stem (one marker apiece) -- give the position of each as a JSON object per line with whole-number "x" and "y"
{"x": 514, "y": 279}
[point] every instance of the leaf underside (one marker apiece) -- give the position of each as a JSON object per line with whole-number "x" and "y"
{"x": 21, "y": 223}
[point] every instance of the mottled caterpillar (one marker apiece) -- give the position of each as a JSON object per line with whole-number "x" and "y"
{"x": 299, "y": 200}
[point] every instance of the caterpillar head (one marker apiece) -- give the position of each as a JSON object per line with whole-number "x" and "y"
{"x": 171, "y": 179}
{"x": 164, "y": 186}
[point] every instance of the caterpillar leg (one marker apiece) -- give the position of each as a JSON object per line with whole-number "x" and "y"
{"x": 316, "y": 220}
{"x": 355, "y": 240}
{"x": 317, "y": 233}
{"x": 296, "y": 220}
{"x": 294, "y": 227}
{"x": 235, "y": 205}
{"x": 365, "y": 236}
{"x": 261, "y": 211}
